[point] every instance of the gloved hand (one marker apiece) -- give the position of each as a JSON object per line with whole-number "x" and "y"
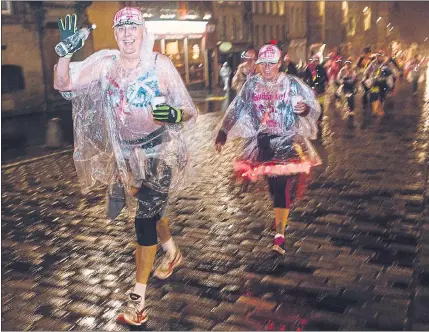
{"x": 67, "y": 29}
{"x": 220, "y": 140}
{"x": 167, "y": 113}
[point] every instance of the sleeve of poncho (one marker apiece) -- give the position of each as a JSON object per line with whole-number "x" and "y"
{"x": 306, "y": 125}
{"x": 93, "y": 156}
{"x": 240, "y": 107}
{"x": 172, "y": 85}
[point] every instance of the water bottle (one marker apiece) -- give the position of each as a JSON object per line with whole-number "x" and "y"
{"x": 63, "y": 48}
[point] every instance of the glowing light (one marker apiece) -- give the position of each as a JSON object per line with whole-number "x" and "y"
{"x": 191, "y": 17}
{"x": 167, "y": 16}
{"x": 426, "y": 38}
{"x": 147, "y": 15}
{"x": 388, "y": 25}
{"x": 207, "y": 17}
{"x": 176, "y": 27}
{"x": 379, "y": 19}
{"x": 195, "y": 52}
{"x": 391, "y": 29}
{"x": 365, "y": 9}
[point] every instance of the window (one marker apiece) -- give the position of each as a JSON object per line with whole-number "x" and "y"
{"x": 253, "y": 7}
{"x": 267, "y": 7}
{"x": 257, "y": 35}
{"x": 234, "y": 33}
{"x": 240, "y": 31}
{"x": 264, "y": 34}
{"x": 351, "y": 28}
{"x": 281, "y": 8}
{"x": 260, "y": 7}
{"x": 12, "y": 78}
{"x": 175, "y": 50}
{"x": 274, "y": 7}
{"x": 367, "y": 19}
{"x": 196, "y": 60}
{"x": 6, "y": 7}
{"x": 224, "y": 28}
{"x": 321, "y": 8}
{"x": 345, "y": 8}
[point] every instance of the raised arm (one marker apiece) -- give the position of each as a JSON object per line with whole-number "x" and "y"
{"x": 73, "y": 76}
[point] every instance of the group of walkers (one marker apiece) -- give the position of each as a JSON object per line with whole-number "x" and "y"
{"x": 374, "y": 75}
{"x": 130, "y": 109}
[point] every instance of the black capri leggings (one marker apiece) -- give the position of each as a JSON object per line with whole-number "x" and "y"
{"x": 146, "y": 227}
{"x": 283, "y": 190}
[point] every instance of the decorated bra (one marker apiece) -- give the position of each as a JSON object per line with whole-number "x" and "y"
{"x": 137, "y": 95}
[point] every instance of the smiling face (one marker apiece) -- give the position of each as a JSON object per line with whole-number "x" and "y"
{"x": 269, "y": 70}
{"x": 129, "y": 38}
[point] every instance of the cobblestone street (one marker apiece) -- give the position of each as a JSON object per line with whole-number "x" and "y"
{"x": 357, "y": 244}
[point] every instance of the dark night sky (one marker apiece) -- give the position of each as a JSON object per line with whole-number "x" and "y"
{"x": 412, "y": 18}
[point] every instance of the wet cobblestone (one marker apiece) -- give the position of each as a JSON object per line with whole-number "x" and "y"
{"x": 357, "y": 244}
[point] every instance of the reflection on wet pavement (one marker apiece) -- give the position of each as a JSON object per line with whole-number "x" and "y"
{"x": 357, "y": 244}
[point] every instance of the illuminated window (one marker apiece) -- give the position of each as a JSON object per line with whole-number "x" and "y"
{"x": 175, "y": 50}
{"x": 351, "y": 27}
{"x": 196, "y": 60}
{"x": 274, "y": 7}
{"x": 253, "y": 7}
{"x": 321, "y": 8}
{"x": 6, "y": 7}
{"x": 345, "y": 8}
{"x": 367, "y": 19}
{"x": 267, "y": 7}
{"x": 281, "y": 7}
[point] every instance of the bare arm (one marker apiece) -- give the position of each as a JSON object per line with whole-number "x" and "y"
{"x": 82, "y": 73}
{"x": 62, "y": 81}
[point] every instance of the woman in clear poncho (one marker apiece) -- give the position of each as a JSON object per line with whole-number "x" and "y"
{"x": 129, "y": 109}
{"x": 276, "y": 114}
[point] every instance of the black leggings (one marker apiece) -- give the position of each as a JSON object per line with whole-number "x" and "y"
{"x": 283, "y": 190}
{"x": 149, "y": 198}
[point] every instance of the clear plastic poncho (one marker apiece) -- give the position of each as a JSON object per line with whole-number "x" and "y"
{"x": 277, "y": 139}
{"x": 115, "y": 137}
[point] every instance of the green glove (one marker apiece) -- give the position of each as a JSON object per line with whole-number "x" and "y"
{"x": 67, "y": 29}
{"x": 167, "y": 113}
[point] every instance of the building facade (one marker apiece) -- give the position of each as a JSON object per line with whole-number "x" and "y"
{"x": 28, "y": 61}
{"x": 183, "y": 31}
{"x": 296, "y": 27}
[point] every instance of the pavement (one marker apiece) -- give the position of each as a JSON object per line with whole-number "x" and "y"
{"x": 357, "y": 243}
